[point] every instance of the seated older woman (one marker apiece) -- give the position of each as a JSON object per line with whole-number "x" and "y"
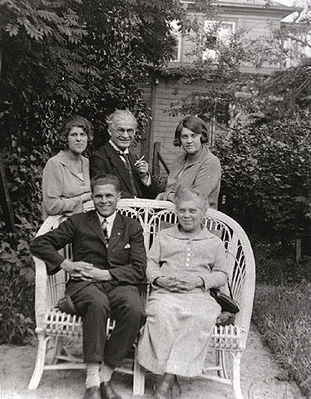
{"x": 66, "y": 180}
{"x": 185, "y": 261}
{"x": 197, "y": 167}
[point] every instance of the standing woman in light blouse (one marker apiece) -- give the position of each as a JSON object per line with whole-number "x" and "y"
{"x": 196, "y": 168}
{"x": 66, "y": 179}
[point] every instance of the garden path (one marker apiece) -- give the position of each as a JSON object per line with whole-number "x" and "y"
{"x": 260, "y": 374}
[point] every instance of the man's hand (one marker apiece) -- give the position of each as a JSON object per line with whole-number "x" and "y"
{"x": 142, "y": 168}
{"x": 96, "y": 274}
{"x": 75, "y": 267}
{"x": 85, "y": 271}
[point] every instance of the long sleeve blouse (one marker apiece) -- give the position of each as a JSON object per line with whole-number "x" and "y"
{"x": 175, "y": 253}
{"x": 203, "y": 174}
{"x": 62, "y": 187}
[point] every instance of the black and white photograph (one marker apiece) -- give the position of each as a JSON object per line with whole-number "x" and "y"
{"x": 155, "y": 199}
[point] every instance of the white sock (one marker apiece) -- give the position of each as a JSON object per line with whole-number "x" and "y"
{"x": 92, "y": 375}
{"x": 105, "y": 373}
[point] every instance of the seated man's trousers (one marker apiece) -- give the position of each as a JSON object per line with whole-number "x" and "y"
{"x": 95, "y": 303}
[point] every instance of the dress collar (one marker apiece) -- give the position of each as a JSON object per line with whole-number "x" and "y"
{"x": 204, "y": 154}
{"x": 203, "y": 234}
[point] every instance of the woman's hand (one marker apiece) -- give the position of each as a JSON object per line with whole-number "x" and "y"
{"x": 166, "y": 282}
{"x": 86, "y": 197}
{"x": 161, "y": 196}
{"x": 189, "y": 283}
{"x": 179, "y": 284}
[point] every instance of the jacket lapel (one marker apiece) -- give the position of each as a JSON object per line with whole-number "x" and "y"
{"x": 94, "y": 224}
{"x": 119, "y": 166}
{"x": 116, "y": 232}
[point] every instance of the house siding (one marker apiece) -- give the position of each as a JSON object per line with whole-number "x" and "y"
{"x": 160, "y": 94}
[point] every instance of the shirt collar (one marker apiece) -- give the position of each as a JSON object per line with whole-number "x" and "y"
{"x": 110, "y": 219}
{"x": 126, "y": 151}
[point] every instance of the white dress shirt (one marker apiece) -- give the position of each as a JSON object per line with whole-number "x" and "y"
{"x": 145, "y": 180}
{"x": 110, "y": 219}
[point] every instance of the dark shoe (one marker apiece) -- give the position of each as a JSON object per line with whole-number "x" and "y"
{"x": 163, "y": 391}
{"x": 92, "y": 393}
{"x": 176, "y": 390}
{"x": 107, "y": 391}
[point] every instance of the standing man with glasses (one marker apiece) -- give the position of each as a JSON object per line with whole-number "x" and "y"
{"x": 106, "y": 272}
{"x": 115, "y": 158}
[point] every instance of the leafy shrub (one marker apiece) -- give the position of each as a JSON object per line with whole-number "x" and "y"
{"x": 17, "y": 285}
{"x": 16, "y": 308}
{"x": 267, "y": 175}
{"x": 283, "y": 316}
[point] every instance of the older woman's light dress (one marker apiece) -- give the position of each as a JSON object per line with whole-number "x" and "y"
{"x": 179, "y": 325}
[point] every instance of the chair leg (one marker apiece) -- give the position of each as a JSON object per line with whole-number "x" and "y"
{"x": 37, "y": 373}
{"x": 138, "y": 377}
{"x": 236, "y": 375}
{"x": 53, "y": 350}
{"x": 58, "y": 349}
{"x": 221, "y": 361}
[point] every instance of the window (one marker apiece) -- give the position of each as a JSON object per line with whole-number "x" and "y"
{"x": 177, "y": 35}
{"x": 218, "y": 32}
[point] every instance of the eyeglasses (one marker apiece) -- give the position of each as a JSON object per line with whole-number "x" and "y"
{"x": 121, "y": 130}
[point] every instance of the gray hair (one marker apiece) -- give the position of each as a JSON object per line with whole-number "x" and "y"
{"x": 189, "y": 194}
{"x": 120, "y": 113}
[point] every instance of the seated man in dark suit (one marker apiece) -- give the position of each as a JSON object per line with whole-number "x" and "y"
{"x": 109, "y": 261}
{"x": 114, "y": 158}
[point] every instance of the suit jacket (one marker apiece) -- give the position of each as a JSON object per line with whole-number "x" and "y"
{"x": 125, "y": 257}
{"x": 107, "y": 160}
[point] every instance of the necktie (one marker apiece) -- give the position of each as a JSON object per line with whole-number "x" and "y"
{"x": 125, "y": 156}
{"x": 105, "y": 231}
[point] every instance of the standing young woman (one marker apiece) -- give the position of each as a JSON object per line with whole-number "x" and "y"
{"x": 66, "y": 179}
{"x": 197, "y": 168}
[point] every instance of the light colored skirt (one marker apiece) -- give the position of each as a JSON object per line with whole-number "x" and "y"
{"x": 177, "y": 332}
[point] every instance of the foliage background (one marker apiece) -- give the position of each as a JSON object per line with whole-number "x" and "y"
{"x": 58, "y": 58}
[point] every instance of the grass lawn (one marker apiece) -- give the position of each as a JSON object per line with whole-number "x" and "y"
{"x": 282, "y": 310}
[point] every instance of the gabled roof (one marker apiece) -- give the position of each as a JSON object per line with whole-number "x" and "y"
{"x": 273, "y": 7}
{"x": 255, "y": 5}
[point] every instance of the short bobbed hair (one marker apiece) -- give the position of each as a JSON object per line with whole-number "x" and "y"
{"x": 102, "y": 180}
{"x": 193, "y": 123}
{"x": 120, "y": 113}
{"x": 75, "y": 121}
{"x": 189, "y": 194}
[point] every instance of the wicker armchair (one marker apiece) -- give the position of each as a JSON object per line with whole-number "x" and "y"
{"x": 58, "y": 330}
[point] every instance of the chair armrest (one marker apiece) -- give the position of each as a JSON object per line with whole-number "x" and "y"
{"x": 41, "y": 302}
